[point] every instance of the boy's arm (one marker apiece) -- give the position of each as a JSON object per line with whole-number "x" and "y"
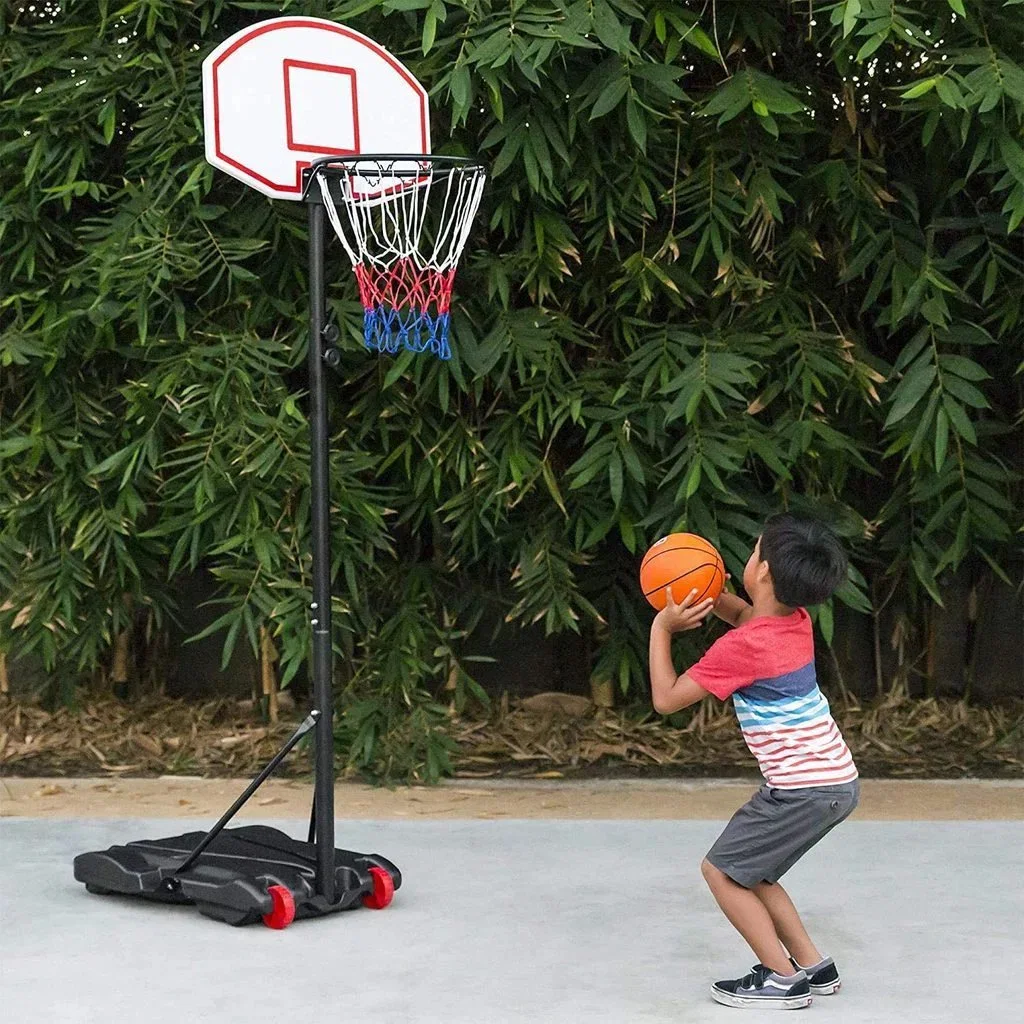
{"x": 732, "y": 609}
{"x": 669, "y": 692}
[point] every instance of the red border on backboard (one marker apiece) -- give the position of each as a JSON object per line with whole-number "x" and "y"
{"x": 301, "y": 165}
{"x": 333, "y": 69}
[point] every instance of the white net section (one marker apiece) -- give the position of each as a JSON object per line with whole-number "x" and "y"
{"x": 403, "y": 223}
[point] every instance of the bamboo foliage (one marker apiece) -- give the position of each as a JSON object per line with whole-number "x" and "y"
{"x": 733, "y": 256}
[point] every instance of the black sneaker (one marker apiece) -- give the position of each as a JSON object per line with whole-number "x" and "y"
{"x": 824, "y": 981}
{"x": 763, "y": 988}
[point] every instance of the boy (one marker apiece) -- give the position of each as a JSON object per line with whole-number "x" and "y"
{"x": 766, "y": 664}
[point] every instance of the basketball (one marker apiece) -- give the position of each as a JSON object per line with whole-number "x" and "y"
{"x": 685, "y": 562}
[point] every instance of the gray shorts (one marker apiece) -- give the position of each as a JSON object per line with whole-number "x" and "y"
{"x": 776, "y": 827}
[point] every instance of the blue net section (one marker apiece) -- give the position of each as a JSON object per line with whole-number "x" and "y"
{"x": 404, "y": 221}
{"x": 386, "y": 329}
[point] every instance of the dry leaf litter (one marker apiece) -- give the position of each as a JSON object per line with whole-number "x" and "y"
{"x": 544, "y": 736}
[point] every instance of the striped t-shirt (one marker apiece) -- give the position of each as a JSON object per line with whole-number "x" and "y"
{"x": 767, "y": 666}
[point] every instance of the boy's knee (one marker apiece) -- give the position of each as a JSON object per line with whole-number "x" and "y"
{"x": 710, "y": 872}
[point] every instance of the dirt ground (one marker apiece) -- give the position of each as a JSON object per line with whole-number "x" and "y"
{"x": 173, "y": 797}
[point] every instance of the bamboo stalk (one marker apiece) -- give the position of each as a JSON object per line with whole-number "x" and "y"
{"x": 268, "y": 655}
{"x": 837, "y": 668}
{"x": 930, "y": 666}
{"x": 119, "y": 663}
{"x": 602, "y": 692}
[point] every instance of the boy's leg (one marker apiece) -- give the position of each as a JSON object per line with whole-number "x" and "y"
{"x": 750, "y": 917}
{"x": 786, "y": 921}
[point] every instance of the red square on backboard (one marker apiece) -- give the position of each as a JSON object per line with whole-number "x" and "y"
{"x": 321, "y": 108}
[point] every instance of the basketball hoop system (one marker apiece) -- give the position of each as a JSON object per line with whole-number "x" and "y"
{"x": 291, "y": 107}
{"x": 403, "y": 221}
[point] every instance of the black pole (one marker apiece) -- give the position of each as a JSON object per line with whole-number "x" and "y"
{"x": 301, "y": 731}
{"x": 320, "y": 608}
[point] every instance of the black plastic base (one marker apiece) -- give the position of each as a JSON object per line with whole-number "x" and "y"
{"x": 231, "y": 879}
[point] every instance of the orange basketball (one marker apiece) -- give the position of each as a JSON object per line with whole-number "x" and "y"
{"x": 685, "y": 562}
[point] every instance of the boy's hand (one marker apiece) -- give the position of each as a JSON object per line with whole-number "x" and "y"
{"x": 676, "y": 618}
{"x": 724, "y": 592}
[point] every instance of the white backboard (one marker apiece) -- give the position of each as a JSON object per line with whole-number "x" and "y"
{"x": 283, "y": 92}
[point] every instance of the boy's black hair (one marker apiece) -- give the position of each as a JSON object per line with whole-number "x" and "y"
{"x": 807, "y": 561}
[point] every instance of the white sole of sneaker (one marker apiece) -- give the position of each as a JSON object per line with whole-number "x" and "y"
{"x": 761, "y": 1002}
{"x": 827, "y": 990}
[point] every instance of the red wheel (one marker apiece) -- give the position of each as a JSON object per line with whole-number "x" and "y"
{"x": 284, "y": 907}
{"x": 383, "y": 890}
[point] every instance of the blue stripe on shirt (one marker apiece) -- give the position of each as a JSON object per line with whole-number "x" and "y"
{"x": 797, "y": 683}
{"x": 764, "y": 714}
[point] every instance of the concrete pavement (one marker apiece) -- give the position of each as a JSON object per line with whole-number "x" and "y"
{"x": 501, "y": 922}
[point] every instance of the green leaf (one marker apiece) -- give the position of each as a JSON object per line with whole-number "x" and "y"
{"x": 728, "y": 99}
{"x": 608, "y": 28}
{"x": 931, "y": 122}
{"x": 615, "y": 478}
{"x": 1014, "y": 206}
{"x": 991, "y": 276}
{"x": 921, "y": 88}
{"x": 107, "y": 119}
{"x": 826, "y": 622}
{"x": 991, "y": 99}
{"x": 552, "y": 486}
{"x": 611, "y": 96}
{"x": 959, "y": 420}
{"x": 429, "y": 31}
{"x": 871, "y": 46}
{"x": 967, "y": 393}
{"x": 988, "y": 494}
{"x": 660, "y": 29}
{"x": 460, "y": 87}
{"x": 637, "y": 123}
{"x": 958, "y": 6}
{"x": 398, "y": 369}
{"x": 692, "y": 479}
{"x": 911, "y": 389}
{"x": 949, "y": 92}
{"x": 699, "y": 38}
{"x": 1013, "y": 155}
{"x": 17, "y": 445}
{"x": 850, "y": 13}
{"x": 633, "y": 465}
{"x": 34, "y": 160}
{"x": 963, "y": 367}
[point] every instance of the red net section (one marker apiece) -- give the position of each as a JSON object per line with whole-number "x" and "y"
{"x": 404, "y": 286}
{"x": 404, "y": 221}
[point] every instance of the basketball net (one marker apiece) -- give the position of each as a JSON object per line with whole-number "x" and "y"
{"x": 404, "y": 222}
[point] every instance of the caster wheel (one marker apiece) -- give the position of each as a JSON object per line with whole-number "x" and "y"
{"x": 383, "y": 890}
{"x": 284, "y": 908}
